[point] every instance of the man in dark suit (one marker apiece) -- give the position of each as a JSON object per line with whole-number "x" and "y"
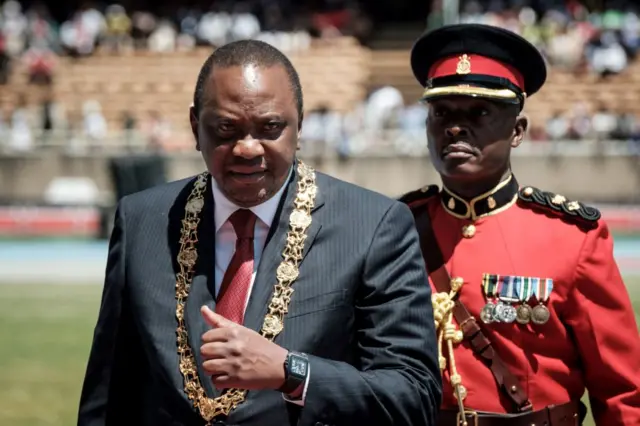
{"x": 261, "y": 292}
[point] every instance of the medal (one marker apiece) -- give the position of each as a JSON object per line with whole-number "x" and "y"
{"x": 490, "y": 286}
{"x": 486, "y": 314}
{"x": 542, "y": 289}
{"x": 523, "y": 314}
{"x": 525, "y": 291}
{"x": 540, "y": 314}
{"x": 504, "y": 311}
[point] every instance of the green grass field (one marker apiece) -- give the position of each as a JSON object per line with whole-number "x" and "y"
{"x": 45, "y": 333}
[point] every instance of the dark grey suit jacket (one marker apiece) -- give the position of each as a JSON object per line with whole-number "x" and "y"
{"x": 361, "y": 309}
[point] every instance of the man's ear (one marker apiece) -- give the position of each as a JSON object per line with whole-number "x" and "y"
{"x": 519, "y": 130}
{"x": 193, "y": 119}
{"x": 299, "y": 130}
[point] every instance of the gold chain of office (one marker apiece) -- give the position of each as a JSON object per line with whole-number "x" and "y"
{"x": 286, "y": 273}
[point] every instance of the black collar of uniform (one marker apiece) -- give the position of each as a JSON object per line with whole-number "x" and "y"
{"x": 494, "y": 201}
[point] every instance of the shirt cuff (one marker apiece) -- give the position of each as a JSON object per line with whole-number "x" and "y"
{"x": 300, "y": 401}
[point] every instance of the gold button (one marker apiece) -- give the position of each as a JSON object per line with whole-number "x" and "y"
{"x": 468, "y": 231}
{"x": 528, "y": 191}
{"x": 514, "y": 389}
{"x": 424, "y": 188}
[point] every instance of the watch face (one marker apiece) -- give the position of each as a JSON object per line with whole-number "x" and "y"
{"x": 298, "y": 366}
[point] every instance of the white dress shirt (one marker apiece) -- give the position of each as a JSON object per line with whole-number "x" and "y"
{"x": 226, "y": 239}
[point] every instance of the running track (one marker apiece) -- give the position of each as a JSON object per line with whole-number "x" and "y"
{"x": 83, "y": 262}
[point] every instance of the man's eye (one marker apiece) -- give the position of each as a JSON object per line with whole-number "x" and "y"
{"x": 272, "y": 126}
{"x": 480, "y": 112}
{"x": 225, "y": 128}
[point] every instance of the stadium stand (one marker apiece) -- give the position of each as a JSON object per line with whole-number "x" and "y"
{"x": 332, "y": 74}
{"x": 337, "y": 75}
{"x": 591, "y": 93}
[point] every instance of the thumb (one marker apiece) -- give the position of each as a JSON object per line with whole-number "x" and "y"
{"x": 213, "y": 319}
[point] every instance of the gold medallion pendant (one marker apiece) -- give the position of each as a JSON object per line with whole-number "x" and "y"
{"x": 286, "y": 274}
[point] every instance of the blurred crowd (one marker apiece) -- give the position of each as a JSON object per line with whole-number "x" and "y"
{"x": 569, "y": 36}
{"x": 49, "y": 123}
{"x": 285, "y": 23}
{"x": 579, "y": 124}
{"x": 384, "y": 121}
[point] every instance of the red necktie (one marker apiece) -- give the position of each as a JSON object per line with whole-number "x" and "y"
{"x": 237, "y": 279}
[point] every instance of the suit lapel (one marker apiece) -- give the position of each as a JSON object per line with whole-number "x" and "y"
{"x": 203, "y": 287}
{"x": 272, "y": 253}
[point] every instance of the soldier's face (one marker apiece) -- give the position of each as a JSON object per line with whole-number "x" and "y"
{"x": 247, "y": 131}
{"x": 471, "y": 138}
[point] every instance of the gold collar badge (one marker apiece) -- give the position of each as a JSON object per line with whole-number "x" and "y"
{"x": 494, "y": 201}
{"x": 491, "y": 202}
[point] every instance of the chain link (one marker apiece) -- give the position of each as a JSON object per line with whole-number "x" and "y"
{"x": 286, "y": 273}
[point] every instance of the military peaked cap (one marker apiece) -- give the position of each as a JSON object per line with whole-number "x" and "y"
{"x": 477, "y": 60}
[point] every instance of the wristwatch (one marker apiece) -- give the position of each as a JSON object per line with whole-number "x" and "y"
{"x": 296, "y": 369}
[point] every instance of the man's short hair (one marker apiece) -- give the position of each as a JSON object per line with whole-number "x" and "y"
{"x": 242, "y": 53}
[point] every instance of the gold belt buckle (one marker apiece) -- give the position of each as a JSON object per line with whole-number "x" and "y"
{"x": 468, "y": 414}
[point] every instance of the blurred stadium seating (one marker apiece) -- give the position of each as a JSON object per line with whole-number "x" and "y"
{"x": 335, "y": 74}
{"x": 125, "y": 86}
{"x": 122, "y": 67}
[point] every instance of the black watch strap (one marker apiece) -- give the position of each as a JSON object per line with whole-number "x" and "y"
{"x": 296, "y": 369}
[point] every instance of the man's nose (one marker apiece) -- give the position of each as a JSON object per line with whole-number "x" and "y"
{"x": 454, "y": 131}
{"x": 248, "y": 147}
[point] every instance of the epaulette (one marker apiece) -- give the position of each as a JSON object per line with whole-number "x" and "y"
{"x": 420, "y": 196}
{"x": 555, "y": 204}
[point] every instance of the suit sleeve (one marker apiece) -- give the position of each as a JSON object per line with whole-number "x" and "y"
{"x": 605, "y": 329}
{"x": 398, "y": 381}
{"x": 114, "y": 364}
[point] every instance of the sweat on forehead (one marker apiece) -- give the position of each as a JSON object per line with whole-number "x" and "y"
{"x": 245, "y": 53}
{"x": 247, "y": 87}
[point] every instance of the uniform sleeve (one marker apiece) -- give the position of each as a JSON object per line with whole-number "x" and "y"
{"x": 604, "y": 326}
{"x": 115, "y": 364}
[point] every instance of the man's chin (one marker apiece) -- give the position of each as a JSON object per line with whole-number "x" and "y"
{"x": 246, "y": 193}
{"x": 464, "y": 170}
{"x": 245, "y": 197}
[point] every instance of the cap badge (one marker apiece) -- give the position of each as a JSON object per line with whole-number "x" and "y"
{"x": 464, "y": 65}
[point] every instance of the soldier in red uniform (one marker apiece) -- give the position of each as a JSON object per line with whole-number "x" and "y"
{"x": 529, "y": 303}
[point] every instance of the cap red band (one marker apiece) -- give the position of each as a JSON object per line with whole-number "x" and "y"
{"x": 475, "y": 64}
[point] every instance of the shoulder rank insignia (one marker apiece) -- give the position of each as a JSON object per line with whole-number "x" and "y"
{"x": 573, "y": 211}
{"x": 420, "y": 196}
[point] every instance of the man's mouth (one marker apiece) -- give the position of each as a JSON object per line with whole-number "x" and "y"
{"x": 459, "y": 149}
{"x": 247, "y": 175}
